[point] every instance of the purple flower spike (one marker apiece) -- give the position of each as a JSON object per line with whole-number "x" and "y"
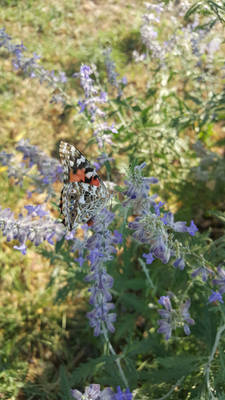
{"x": 112, "y": 73}
{"x": 22, "y": 248}
{"x": 31, "y": 68}
{"x": 192, "y": 229}
{"x": 157, "y": 207}
{"x": 172, "y": 318}
{"x": 161, "y": 250}
{"x": 27, "y": 228}
{"x": 203, "y": 271}
{"x": 80, "y": 260}
{"x": 185, "y": 313}
{"x": 93, "y": 392}
{"x": 101, "y": 246}
{"x": 91, "y": 97}
{"x": 220, "y": 282}
{"x": 149, "y": 258}
{"x": 165, "y": 302}
{"x": 49, "y": 169}
{"x": 164, "y": 328}
{"x": 118, "y": 237}
{"x": 36, "y": 210}
{"x": 215, "y": 296}
{"x": 179, "y": 263}
{"x": 179, "y": 226}
{"x": 150, "y": 226}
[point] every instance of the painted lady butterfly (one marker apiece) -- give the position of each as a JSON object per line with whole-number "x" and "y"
{"x": 84, "y": 193}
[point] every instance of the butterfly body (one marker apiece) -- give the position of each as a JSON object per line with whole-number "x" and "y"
{"x": 84, "y": 193}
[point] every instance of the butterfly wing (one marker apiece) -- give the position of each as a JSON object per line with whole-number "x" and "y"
{"x": 84, "y": 192}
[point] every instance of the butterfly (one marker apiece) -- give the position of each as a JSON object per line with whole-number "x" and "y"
{"x": 84, "y": 193}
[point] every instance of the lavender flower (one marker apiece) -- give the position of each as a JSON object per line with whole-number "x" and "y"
{"x": 27, "y": 228}
{"x": 31, "y": 68}
{"x": 185, "y": 315}
{"x": 93, "y": 392}
{"x": 203, "y": 271}
{"x": 101, "y": 246}
{"x": 149, "y": 258}
{"x": 220, "y": 282}
{"x": 165, "y": 324}
{"x": 101, "y": 160}
{"x": 213, "y": 46}
{"x": 110, "y": 67}
{"x": 50, "y": 170}
{"x": 22, "y": 248}
{"x": 101, "y": 134}
{"x": 138, "y": 186}
{"x": 5, "y": 158}
{"x": 118, "y": 237}
{"x": 173, "y": 318}
{"x": 80, "y": 260}
{"x": 120, "y": 395}
{"x": 112, "y": 74}
{"x": 149, "y": 34}
{"x": 184, "y": 41}
{"x": 18, "y": 172}
{"x": 157, "y": 207}
{"x": 192, "y": 229}
{"x": 215, "y": 296}
{"x": 36, "y": 211}
{"x": 92, "y": 98}
{"x": 180, "y": 226}
{"x": 149, "y": 226}
{"x": 179, "y": 263}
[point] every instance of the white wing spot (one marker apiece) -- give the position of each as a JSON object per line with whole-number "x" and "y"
{"x": 80, "y": 160}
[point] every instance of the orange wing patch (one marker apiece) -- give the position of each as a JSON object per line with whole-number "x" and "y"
{"x": 95, "y": 182}
{"x": 78, "y": 177}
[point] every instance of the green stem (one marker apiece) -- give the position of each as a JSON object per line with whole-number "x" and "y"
{"x": 211, "y": 357}
{"x": 172, "y": 389}
{"x": 115, "y": 355}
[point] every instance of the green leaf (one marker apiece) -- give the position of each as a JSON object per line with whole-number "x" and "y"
{"x": 65, "y": 389}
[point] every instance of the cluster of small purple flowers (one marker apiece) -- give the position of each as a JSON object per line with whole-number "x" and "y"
{"x": 101, "y": 247}
{"x": 49, "y": 169}
{"x": 37, "y": 226}
{"x": 94, "y": 392}
{"x": 154, "y": 228}
{"x": 14, "y": 170}
{"x": 220, "y": 282}
{"x": 151, "y": 226}
{"x": 182, "y": 41}
{"x": 90, "y": 104}
{"x": 101, "y": 160}
{"x": 119, "y": 84}
{"x": 173, "y": 318}
{"x": 92, "y": 97}
{"x": 98, "y": 247}
{"x": 149, "y": 34}
{"x": 31, "y": 68}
